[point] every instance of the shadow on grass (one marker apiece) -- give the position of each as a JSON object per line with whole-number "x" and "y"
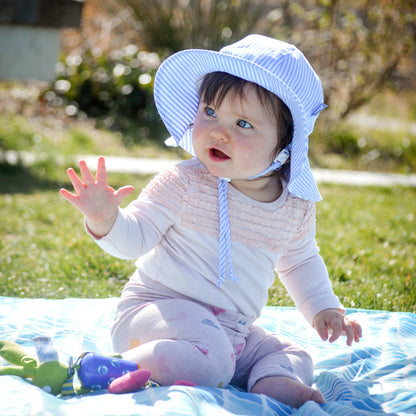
{"x": 21, "y": 179}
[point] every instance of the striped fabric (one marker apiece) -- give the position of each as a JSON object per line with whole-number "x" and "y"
{"x": 375, "y": 377}
{"x": 225, "y": 238}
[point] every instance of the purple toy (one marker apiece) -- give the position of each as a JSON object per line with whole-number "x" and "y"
{"x": 97, "y": 371}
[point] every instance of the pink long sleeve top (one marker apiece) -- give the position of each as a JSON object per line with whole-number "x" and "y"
{"x": 172, "y": 230}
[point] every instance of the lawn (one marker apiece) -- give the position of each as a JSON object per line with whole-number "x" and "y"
{"x": 366, "y": 234}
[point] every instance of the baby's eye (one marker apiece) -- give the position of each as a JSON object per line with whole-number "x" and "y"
{"x": 210, "y": 112}
{"x": 244, "y": 124}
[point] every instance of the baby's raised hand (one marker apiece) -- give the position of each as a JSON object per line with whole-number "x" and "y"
{"x": 333, "y": 322}
{"x": 95, "y": 198}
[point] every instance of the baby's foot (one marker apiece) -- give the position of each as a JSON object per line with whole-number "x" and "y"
{"x": 288, "y": 391}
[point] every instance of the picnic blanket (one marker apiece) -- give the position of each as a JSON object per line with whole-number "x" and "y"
{"x": 374, "y": 377}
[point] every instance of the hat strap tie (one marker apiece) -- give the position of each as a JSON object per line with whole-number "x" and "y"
{"x": 225, "y": 239}
{"x": 225, "y": 244}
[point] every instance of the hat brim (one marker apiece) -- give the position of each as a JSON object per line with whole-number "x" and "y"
{"x": 176, "y": 99}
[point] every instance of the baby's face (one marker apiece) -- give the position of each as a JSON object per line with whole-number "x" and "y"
{"x": 237, "y": 139}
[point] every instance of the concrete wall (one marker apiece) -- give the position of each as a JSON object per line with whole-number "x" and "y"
{"x": 28, "y": 52}
{"x": 30, "y": 33}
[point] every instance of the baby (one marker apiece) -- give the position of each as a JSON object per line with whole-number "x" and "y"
{"x": 210, "y": 233}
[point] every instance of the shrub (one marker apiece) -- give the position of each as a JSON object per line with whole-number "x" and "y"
{"x": 343, "y": 142}
{"x": 112, "y": 87}
{"x": 15, "y": 134}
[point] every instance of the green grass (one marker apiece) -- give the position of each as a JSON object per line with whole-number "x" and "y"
{"x": 45, "y": 251}
{"x": 366, "y": 235}
{"x": 367, "y": 238}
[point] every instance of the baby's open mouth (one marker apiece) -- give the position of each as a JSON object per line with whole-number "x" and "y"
{"x": 216, "y": 154}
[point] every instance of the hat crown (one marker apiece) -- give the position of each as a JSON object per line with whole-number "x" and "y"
{"x": 260, "y": 50}
{"x": 287, "y": 64}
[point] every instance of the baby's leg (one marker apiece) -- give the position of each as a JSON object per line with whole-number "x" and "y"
{"x": 276, "y": 368}
{"x": 177, "y": 340}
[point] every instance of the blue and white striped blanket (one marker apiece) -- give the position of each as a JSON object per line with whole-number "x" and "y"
{"x": 374, "y": 377}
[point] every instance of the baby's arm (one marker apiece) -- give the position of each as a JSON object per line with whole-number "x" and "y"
{"x": 333, "y": 322}
{"x": 97, "y": 201}
{"x": 310, "y": 288}
{"x": 304, "y": 274}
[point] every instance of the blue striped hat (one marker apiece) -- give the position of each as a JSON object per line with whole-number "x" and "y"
{"x": 277, "y": 66}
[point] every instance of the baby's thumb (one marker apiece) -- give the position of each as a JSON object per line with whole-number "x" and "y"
{"x": 123, "y": 192}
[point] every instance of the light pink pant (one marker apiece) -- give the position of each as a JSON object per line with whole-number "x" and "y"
{"x": 178, "y": 339}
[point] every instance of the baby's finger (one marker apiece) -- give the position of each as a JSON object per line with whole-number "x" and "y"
{"x": 86, "y": 173}
{"x": 349, "y": 332}
{"x": 358, "y": 333}
{"x": 336, "y": 326}
{"x": 101, "y": 171}
{"x": 321, "y": 328}
{"x": 75, "y": 180}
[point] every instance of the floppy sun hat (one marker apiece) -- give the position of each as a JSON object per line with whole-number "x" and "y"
{"x": 277, "y": 66}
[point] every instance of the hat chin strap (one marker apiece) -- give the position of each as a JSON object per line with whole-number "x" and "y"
{"x": 277, "y": 163}
{"x": 225, "y": 239}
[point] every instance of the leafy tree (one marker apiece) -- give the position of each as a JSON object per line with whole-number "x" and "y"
{"x": 355, "y": 46}
{"x": 171, "y": 25}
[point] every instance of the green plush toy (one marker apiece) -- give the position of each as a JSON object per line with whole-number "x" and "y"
{"x": 93, "y": 371}
{"x": 49, "y": 376}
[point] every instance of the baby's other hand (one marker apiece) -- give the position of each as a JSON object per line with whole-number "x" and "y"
{"x": 334, "y": 323}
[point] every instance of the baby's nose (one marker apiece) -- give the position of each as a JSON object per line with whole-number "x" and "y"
{"x": 220, "y": 133}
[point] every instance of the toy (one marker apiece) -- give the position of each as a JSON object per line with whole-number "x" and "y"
{"x": 94, "y": 371}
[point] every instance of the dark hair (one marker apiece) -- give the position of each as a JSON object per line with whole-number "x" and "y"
{"x": 216, "y": 85}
